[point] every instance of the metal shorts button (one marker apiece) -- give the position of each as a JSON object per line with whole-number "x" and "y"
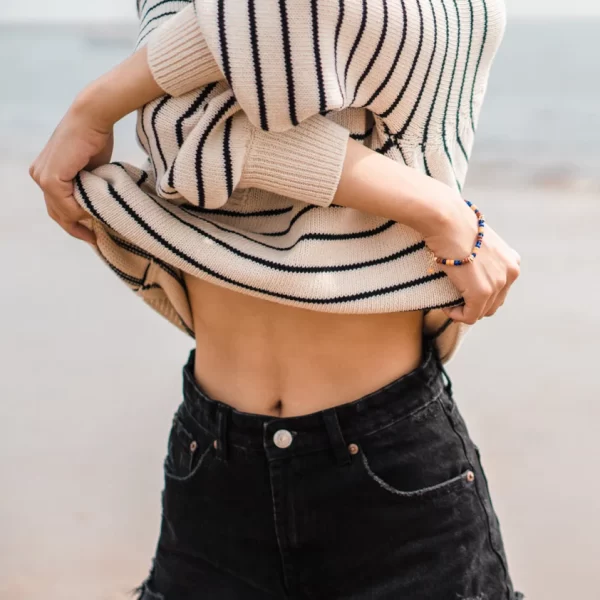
{"x": 283, "y": 438}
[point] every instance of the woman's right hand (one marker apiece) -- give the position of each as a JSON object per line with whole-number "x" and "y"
{"x": 483, "y": 283}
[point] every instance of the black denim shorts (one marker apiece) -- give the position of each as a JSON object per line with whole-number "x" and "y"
{"x": 381, "y": 498}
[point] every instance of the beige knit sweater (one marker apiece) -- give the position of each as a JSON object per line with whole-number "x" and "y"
{"x": 246, "y": 148}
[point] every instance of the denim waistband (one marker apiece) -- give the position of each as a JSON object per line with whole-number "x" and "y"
{"x": 334, "y": 426}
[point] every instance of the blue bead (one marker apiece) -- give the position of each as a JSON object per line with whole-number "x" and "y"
{"x": 456, "y": 263}
{"x": 468, "y": 203}
{"x": 478, "y": 245}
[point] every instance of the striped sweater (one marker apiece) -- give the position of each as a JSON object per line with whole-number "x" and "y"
{"x": 246, "y": 147}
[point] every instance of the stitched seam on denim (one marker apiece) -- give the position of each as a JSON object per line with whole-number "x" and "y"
{"x": 194, "y": 470}
{"x": 442, "y": 488}
{"x": 283, "y": 551}
{"x": 482, "y": 503}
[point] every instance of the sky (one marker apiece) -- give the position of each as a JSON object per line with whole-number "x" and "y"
{"x": 58, "y": 10}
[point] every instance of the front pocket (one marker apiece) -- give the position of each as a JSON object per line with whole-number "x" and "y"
{"x": 420, "y": 456}
{"x": 189, "y": 447}
{"x": 453, "y": 485}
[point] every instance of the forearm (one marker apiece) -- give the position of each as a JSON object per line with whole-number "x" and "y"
{"x": 373, "y": 183}
{"x": 119, "y": 92}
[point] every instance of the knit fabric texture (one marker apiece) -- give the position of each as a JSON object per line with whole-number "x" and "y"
{"x": 246, "y": 147}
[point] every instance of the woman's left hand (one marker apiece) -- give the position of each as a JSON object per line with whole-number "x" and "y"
{"x": 79, "y": 142}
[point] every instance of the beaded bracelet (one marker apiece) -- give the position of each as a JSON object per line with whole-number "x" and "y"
{"x": 476, "y": 247}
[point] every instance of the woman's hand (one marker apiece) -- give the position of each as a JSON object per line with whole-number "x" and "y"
{"x": 484, "y": 283}
{"x": 84, "y": 139}
{"x": 373, "y": 183}
{"x": 79, "y": 142}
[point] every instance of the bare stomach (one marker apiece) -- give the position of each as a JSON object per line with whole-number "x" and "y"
{"x": 263, "y": 357}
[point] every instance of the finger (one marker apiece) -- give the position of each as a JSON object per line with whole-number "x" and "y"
{"x": 53, "y": 185}
{"x": 77, "y": 230}
{"x": 498, "y": 302}
{"x": 81, "y": 232}
{"x": 65, "y": 207}
{"x": 469, "y": 313}
{"x": 489, "y": 307}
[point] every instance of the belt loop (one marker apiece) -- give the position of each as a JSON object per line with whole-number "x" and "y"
{"x": 222, "y": 422}
{"x": 340, "y": 448}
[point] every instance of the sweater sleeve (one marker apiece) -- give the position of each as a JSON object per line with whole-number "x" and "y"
{"x": 284, "y": 61}
{"x": 178, "y": 56}
{"x": 206, "y": 152}
{"x": 219, "y": 149}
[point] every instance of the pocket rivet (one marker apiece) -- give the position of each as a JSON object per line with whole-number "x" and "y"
{"x": 353, "y": 448}
{"x": 470, "y": 476}
{"x": 193, "y": 446}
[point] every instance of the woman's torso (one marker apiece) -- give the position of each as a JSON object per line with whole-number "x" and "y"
{"x": 268, "y": 358}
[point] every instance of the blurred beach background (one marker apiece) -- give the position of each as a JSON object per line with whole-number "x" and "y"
{"x": 90, "y": 377}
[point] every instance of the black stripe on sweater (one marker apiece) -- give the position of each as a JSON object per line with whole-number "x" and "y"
{"x": 87, "y": 201}
{"x": 396, "y": 58}
{"x": 260, "y": 91}
{"x": 333, "y": 300}
{"x": 445, "y": 119}
{"x": 223, "y": 41}
{"x": 362, "y": 136}
{"x": 143, "y": 37}
{"x": 143, "y": 127}
{"x": 425, "y": 80}
{"x": 142, "y": 179}
{"x": 388, "y": 112}
{"x": 125, "y": 276}
{"x": 338, "y": 29}
{"x": 202, "y": 142}
{"x": 227, "y": 157}
{"x": 136, "y": 251}
{"x": 317, "y": 51}
{"x": 196, "y": 104}
{"x": 155, "y": 112}
{"x": 361, "y": 30}
{"x": 287, "y": 57}
{"x": 483, "y": 41}
{"x": 179, "y": 127}
{"x": 462, "y": 87}
{"x": 238, "y": 214}
{"x": 368, "y": 233}
{"x": 376, "y": 53}
{"x": 437, "y": 90}
{"x": 153, "y": 7}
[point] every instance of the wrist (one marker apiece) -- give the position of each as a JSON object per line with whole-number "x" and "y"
{"x": 88, "y": 105}
{"x": 119, "y": 92}
{"x": 454, "y": 232}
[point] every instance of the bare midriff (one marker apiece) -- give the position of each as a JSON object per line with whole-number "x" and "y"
{"x": 268, "y": 358}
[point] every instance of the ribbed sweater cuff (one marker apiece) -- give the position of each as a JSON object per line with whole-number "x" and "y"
{"x": 178, "y": 56}
{"x": 304, "y": 163}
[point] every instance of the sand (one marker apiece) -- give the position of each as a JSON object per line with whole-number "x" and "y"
{"x": 90, "y": 378}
